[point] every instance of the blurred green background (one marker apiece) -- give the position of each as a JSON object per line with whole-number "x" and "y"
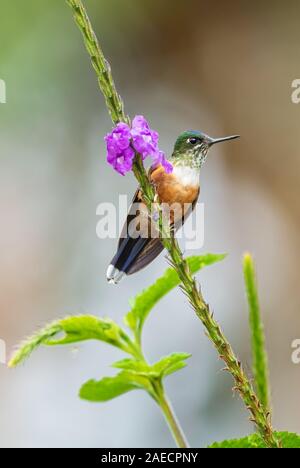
{"x": 220, "y": 67}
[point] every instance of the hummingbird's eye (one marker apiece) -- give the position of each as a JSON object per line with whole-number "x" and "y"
{"x": 192, "y": 141}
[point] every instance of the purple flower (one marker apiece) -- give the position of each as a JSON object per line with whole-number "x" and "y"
{"x": 160, "y": 158}
{"x": 119, "y": 152}
{"x": 145, "y": 140}
{"x": 122, "y": 142}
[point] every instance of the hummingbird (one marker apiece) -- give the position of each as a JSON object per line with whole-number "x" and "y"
{"x": 180, "y": 187}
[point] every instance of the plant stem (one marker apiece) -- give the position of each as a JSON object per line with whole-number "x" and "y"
{"x": 259, "y": 415}
{"x": 113, "y": 100}
{"x": 190, "y": 287}
{"x": 259, "y": 355}
{"x": 172, "y": 420}
{"x": 159, "y": 395}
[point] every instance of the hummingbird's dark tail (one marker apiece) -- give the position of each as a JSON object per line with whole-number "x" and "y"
{"x": 125, "y": 257}
{"x": 132, "y": 256}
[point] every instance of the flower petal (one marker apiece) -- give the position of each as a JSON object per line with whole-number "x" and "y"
{"x": 123, "y": 141}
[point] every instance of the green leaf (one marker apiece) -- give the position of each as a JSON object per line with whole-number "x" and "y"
{"x": 288, "y": 440}
{"x": 165, "y": 366}
{"x": 74, "y": 329}
{"x": 260, "y": 360}
{"x": 106, "y": 389}
{"x": 145, "y": 301}
{"x": 135, "y": 374}
{"x": 88, "y": 327}
{"x": 170, "y": 364}
{"x": 112, "y": 387}
{"x": 28, "y": 346}
{"x": 133, "y": 365}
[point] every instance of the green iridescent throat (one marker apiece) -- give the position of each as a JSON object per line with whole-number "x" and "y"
{"x": 192, "y": 158}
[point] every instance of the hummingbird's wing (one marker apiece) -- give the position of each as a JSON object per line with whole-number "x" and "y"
{"x": 134, "y": 252}
{"x": 154, "y": 246}
{"x": 151, "y": 247}
{"x": 149, "y": 253}
{"x": 130, "y": 217}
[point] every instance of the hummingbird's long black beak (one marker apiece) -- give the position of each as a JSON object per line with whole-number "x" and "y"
{"x": 213, "y": 141}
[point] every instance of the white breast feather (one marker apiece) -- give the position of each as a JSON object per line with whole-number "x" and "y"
{"x": 187, "y": 175}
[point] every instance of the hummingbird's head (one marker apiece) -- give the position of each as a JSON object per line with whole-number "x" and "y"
{"x": 191, "y": 148}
